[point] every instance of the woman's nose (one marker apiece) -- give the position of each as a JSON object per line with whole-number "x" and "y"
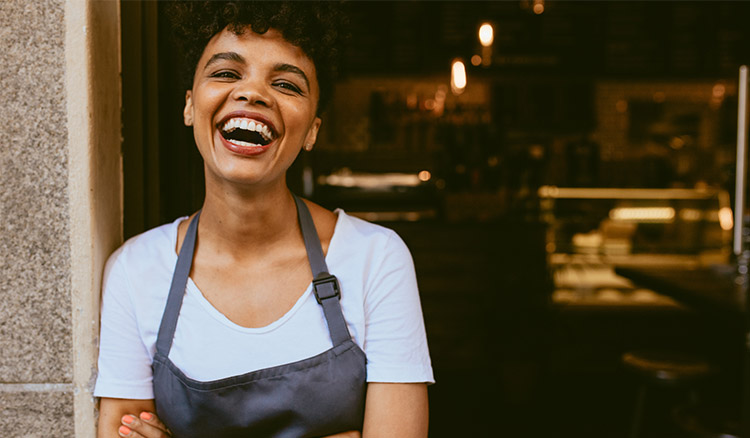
{"x": 252, "y": 91}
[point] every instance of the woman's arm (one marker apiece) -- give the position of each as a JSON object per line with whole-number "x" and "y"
{"x": 396, "y": 409}
{"x": 124, "y": 382}
{"x": 391, "y": 409}
{"x": 112, "y": 411}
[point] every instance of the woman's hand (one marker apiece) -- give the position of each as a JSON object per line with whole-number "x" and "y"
{"x": 145, "y": 425}
{"x": 113, "y": 410}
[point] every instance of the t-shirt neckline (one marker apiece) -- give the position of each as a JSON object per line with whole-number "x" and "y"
{"x": 194, "y": 292}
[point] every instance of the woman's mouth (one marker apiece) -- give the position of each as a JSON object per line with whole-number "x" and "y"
{"x": 244, "y": 132}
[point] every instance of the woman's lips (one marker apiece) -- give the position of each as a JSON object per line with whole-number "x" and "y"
{"x": 247, "y": 149}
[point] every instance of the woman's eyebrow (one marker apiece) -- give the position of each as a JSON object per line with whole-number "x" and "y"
{"x": 225, "y": 56}
{"x": 293, "y": 69}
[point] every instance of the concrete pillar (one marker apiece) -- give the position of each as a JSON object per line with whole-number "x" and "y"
{"x": 60, "y": 207}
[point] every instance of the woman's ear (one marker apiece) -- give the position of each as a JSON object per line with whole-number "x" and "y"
{"x": 312, "y": 134}
{"x": 187, "y": 113}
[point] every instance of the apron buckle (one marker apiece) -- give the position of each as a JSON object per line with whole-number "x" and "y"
{"x": 326, "y": 286}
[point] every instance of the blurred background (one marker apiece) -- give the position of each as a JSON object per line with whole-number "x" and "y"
{"x": 536, "y": 156}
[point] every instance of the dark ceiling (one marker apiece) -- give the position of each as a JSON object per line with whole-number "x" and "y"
{"x": 612, "y": 38}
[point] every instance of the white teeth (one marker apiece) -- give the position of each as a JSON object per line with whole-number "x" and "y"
{"x": 249, "y": 125}
{"x": 242, "y": 143}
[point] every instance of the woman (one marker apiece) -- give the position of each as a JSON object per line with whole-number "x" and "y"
{"x": 212, "y": 324}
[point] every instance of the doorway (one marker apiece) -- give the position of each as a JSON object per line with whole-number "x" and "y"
{"x": 162, "y": 170}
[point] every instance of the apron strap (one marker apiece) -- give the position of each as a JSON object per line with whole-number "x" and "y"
{"x": 325, "y": 285}
{"x": 177, "y": 289}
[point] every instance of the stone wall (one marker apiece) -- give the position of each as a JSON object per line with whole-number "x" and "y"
{"x": 35, "y": 308}
{"x": 60, "y": 207}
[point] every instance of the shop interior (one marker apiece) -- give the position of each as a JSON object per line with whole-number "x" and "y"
{"x": 531, "y": 153}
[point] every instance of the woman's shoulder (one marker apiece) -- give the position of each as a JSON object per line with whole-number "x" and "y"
{"x": 325, "y": 222}
{"x": 142, "y": 265}
{"x": 356, "y": 227}
{"x": 156, "y": 243}
{"x": 347, "y": 231}
{"x": 359, "y": 235}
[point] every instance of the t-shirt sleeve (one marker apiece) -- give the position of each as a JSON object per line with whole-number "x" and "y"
{"x": 124, "y": 361}
{"x": 395, "y": 339}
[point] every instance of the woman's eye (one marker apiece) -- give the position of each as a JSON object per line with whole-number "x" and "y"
{"x": 225, "y": 75}
{"x": 288, "y": 86}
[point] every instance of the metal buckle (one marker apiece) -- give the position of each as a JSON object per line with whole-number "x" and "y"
{"x": 331, "y": 292}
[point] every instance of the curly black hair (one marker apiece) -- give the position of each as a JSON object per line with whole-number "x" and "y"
{"x": 314, "y": 26}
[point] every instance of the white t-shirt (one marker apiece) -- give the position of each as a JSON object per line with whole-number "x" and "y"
{"x": 379, "y": 298}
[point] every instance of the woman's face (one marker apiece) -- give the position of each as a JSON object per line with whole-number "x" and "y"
{"x": 252, "y": 106}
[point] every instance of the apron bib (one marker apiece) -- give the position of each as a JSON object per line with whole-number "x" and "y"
{"x": 313, "y": 397}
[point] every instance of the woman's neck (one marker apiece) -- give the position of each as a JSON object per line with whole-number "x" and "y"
{"x": 241, "y": 221}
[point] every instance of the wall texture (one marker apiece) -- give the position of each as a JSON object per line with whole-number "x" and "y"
{"x": 35, "y": 308}
{"x": 60, "y": 207}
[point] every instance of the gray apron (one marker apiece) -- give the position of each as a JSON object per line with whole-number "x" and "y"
{"x": 313, "y": 397}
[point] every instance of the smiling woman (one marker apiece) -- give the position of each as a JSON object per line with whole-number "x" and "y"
{"x": 262, "y": 314}
{"x": 252, "y": 78}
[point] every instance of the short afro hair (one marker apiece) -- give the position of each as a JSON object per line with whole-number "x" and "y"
{"x": 314, "y": 26}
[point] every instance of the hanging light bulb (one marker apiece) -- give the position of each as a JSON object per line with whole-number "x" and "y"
{"x": 486, "y": 34}
{"x": 458, "y": 77}
{"x": 486, "y": 38}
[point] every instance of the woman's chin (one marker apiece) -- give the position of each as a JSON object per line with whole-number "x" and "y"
{"x": 245, "y": 176}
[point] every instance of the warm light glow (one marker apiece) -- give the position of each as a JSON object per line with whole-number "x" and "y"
{"x": 621, "y": 106}
{"x": 424, "y": 175}
{"x": 412, "y": 101}
{"x": 719, "y": 90}
{"x": 691, "y": 214}
{"x": 538, "y": 7}
{"x": 725, "y": 218}
{"x": 486, "y": 34}
{"x": 375, "y": 181}
{"x": 458, "y": 77}
{"x": 476, "y": 60}
{"x": 660, "y": 96}
{"x": 642, "y": 214}
{"x": 440, "y": 95}
{"x": 677, "y": 143}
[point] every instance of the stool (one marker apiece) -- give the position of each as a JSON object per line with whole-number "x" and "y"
{"x": 662, "y": 368}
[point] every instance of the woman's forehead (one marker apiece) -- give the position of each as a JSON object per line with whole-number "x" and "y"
{"x": 270, "y": 43}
